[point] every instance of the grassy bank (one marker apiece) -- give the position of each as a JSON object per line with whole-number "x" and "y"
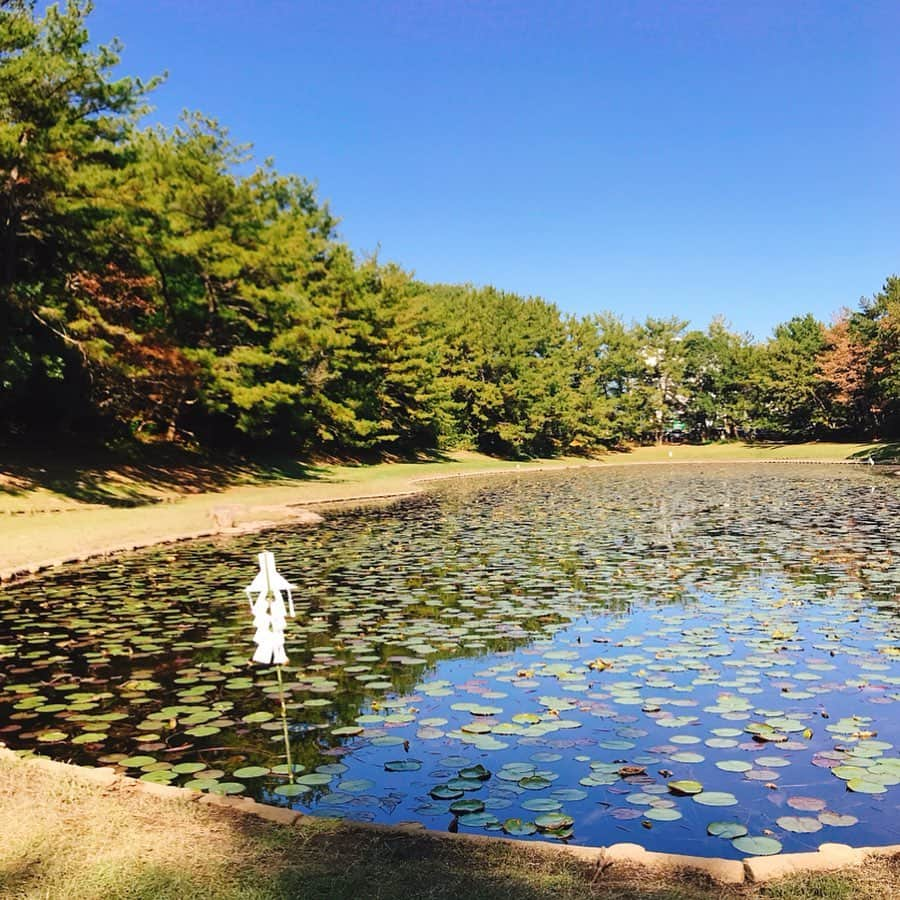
{"x": 63, "y": 837}
{"x": 56, "y": 510}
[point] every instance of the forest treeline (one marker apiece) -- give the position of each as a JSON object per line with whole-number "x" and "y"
{"x": 155, "y": 286}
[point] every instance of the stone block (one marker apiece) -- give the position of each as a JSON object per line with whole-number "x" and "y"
{"x": 103, "y": 775}
{"x": 163, "y": 791}
{"x": 827, "y": 858}
{"x": 728, "y": 871}
{"x": 278, "y": 814}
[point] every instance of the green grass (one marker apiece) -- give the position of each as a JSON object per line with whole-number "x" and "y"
{"x": 762, "y": 451}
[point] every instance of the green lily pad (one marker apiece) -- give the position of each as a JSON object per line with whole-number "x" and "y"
{"x": 135, "y": 762}
{"x": 866, "y": 786}
{"x": 662, "y": 814}
{"x": 315, "y": 779}
{"x": 445, "y": 792}
{"x": 685, "y": 787}
{"x": 836, "y": 820}
{"x": 553, "y": 821}
{"x": 292, "y": 790}
{"x": 466, "y": 806}
{"x": 251, "y": 772}
{"x": 201, "y": 784}
{"x": 203, "y": 731}
{"x": 90, "y": 737}
{"x": 715, "y": 798}
{"x": 799, "y": 824}
{"x": 757, "y": 846}
{"x": 228, "y": 787}
{"x": 403, "y": 765}
{"x": 734, "y": 765}
{"x": 534, "y": 783}
{"x": 477, "y": 820}
{"x": 726, "y": 830}
{"x": 518, "y": 827}
{"x": 188, "y": 768}
{"x": 478, "y": 772}
{"x": 541, "y": 804}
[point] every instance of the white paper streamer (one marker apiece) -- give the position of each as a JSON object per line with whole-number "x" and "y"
{"x": 269, "y": 613}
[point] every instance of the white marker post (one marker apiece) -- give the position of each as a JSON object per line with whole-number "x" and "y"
{"x": 269, "y": 618}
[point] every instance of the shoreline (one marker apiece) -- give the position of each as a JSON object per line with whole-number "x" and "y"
{"x": 224, "y": 519}
{"x": 292, "y": 511}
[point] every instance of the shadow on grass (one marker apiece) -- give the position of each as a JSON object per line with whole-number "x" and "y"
{"x": 884, "y": 453}
{"x": 148, "y": 475}
{"x": 119, "y": 480}
{"x": 347, "y": 863}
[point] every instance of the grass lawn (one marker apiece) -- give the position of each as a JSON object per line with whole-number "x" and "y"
{"x": 64, "y": 837}
{"x": 53, "y": 510}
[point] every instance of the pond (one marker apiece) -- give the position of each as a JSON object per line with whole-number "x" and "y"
{"x": 703, "y": 660}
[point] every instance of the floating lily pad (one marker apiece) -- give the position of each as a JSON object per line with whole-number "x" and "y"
{"x": 519, "y": 828}
{"x": 715, "y": 798}
{"x": 466, "y": 806}
{"x": 135, "y": 762}
{"x": 203, "y": 731}
{"x": 685, "y": 787}
{"x": 315, "y": 779}
{"x": 251, "y": 772}
{"x": 445, "y": 792}
{"x": 478, "y": 772}
{"x": 541, "y": 804}
{"x": 799, "y": 824}
{"x": 866, "y": 786}
{"x": 757, "y": 846}
{"x": 284, "y": 769}
{"x": 188, "y": 768}
{"x": 734, "y": 765}
{"x": 662, "y": 814}
{"x": 201, "y": 784}
{"x": 292, "y": 790}
{"x": 403, "y": 765}
{"x": 477, "y": 819}
{"x": 534, "y": 783}
{"x": 726, "y": 830}
{"x": 553, "y": 821}
{"x": 836, "y": 820}
{"x": 228, "y": 787}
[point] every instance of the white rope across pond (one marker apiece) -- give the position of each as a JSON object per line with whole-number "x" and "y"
{"x": 269, "y": 612}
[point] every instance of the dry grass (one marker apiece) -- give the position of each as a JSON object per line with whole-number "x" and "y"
{"x": 66, "y": 838}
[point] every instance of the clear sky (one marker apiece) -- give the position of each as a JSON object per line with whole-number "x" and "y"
{"x": 677, "y": 157}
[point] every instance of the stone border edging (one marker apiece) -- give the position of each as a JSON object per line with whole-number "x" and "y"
{"x": 754, "y": 869}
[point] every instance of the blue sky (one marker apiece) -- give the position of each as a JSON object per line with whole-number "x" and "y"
{"x": 686, "y": 158}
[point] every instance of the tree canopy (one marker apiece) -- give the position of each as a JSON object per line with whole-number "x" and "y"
{"x": 155, "y": 285}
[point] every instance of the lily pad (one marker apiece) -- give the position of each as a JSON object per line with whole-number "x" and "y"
{"x": 799, "y": 824}
{"x": 685, "y": 787}
{"x": 553, "y": 821}
{"x": 403, "y": 765}
{"x": 715, "y": 798}
{"x": 726, "y": 830}
{"x": 757, "y": 846}
{"x": 519, "y": 828}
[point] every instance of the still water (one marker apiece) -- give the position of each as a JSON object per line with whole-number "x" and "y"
{"x": 644, "y": 654}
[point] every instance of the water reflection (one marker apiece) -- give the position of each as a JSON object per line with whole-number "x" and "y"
{"x": 591, "y": 617}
